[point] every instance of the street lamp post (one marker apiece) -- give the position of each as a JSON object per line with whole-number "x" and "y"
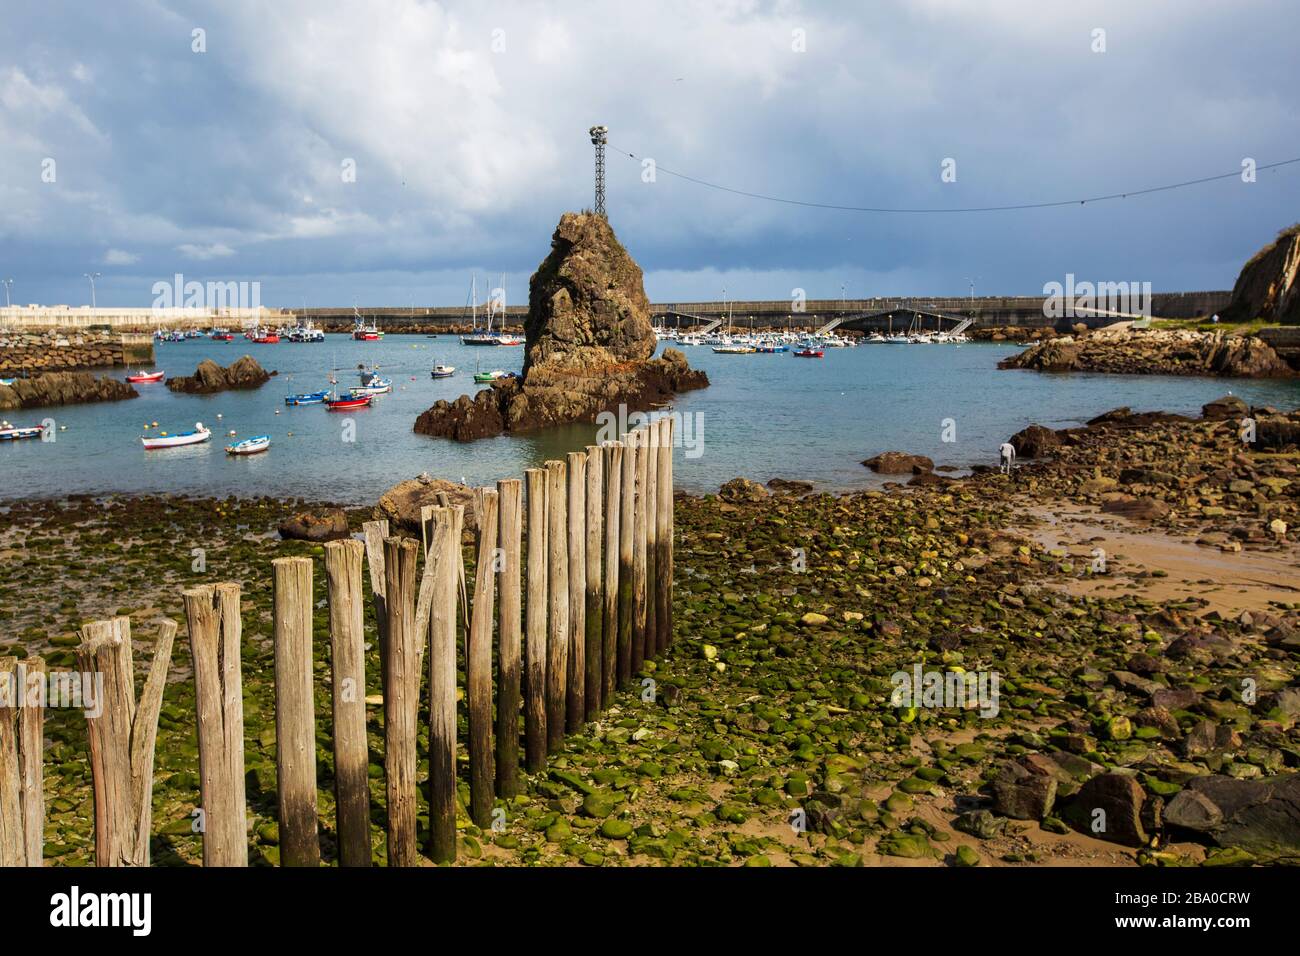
{"x": 92, "y": 276}
{"x": 8, "y": 283}
{"x": 972, "y": 293}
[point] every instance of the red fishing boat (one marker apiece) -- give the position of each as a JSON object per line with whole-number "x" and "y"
{"x": 347, "y": 402}
{"x": 808, "y": 353}
{"x": 140, "y": 377}
{"x": 269, "y": 338}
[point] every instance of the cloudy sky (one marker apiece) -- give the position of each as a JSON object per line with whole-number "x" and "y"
{"x": 135, "y": 147}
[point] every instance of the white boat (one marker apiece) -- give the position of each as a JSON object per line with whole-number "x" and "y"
{"x": 10, "y": 432}
{"x": 200, "y": 434}
{"x": 250, "y": 446}
{"x": 443, "y": 371}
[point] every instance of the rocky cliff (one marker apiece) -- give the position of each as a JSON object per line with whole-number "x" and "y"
{"x": 62, "y": 388}
{"x": 1155, "y": 352}
{"x": 588, "y": 347}
{"x": 1268, "y": 286}
{"x": 210, "y": 377}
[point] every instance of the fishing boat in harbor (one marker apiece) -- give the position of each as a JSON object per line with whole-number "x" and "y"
{"x": 307, "y": 398}
{"x": 734, "y": 348}
{"x": 140, "y": 378}
{"x": 163, "y": 440}
{"x": 363, "y": 332}
{"x": 9, "y": 432}
{"x": 267, "y": 338}
{"x": 808, "y": 351}
{"x": 305, "y": 332}
{"x": 347, "y": 402}
{"x": 443, "y": 371}
{"x": 495, "y": 375}
{"x": 376, "y": 386}
{"x": 249, "y": 446}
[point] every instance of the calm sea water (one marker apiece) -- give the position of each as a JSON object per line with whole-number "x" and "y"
{"x": 764, "y": 416}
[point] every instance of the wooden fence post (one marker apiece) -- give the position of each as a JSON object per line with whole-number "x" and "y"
{"x": 509, "y": 607}
{"x": 376, "y": 533}
{"x": 612, "y": 454}
{"x": 535, "y": 715}
{"x": 557, "y": 647}
{"x": 664, "y": 536}
{"x": 478, "y": 661}
{"x": 22, "y": 800}
{"x": 651, "y": 539}
{"x": 402, "y": 699}
{"x": 295, "y": 712}
{"x": 446, "y": 554}
{"x": 672, "y": 527}
{"x": 575, "y": 696}
{"x": 639, "y": 552}
{"x": 595, "y": 585}
{"x": 216, "y": 632}
{"x": 626, "y": 527}
{"x": 122, "y": 737}
{"x": 348, "y": 680}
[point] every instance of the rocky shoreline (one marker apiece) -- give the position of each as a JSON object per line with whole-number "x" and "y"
{"x": 796, "y": 612}
{"x": 1154, "y": 352}
{"x": 209, "y": 377}
{"x": 62, "y": 388}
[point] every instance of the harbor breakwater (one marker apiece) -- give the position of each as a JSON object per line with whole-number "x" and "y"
{"x": 27, "y": 353}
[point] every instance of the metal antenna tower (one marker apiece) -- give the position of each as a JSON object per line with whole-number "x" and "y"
{"x": 598, "y": 139}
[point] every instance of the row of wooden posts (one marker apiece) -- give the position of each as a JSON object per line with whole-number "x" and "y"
{"x": 594, "y": 604}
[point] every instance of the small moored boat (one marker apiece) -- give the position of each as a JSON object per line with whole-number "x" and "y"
{"x": 347, "y": 402}
{"x": 10, "y": 432}
{"x": 443, "y": 371}
{"x": 492, "y": 376}
{"x": 250, "y": 446}
{"x": 143, "y": 377}
{"x": 200, "y": 434}
{"x": 808, "y": 352}
{"x": 307, "y": 398}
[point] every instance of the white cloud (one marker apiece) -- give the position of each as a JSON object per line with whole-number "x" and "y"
{"x": 215, "y": 250}
{"x": 120, "y": 257}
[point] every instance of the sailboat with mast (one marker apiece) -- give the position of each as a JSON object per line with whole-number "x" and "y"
{"x": 496, "y": 310}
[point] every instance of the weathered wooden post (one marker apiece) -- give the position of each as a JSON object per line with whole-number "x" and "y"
{"x": 612, "y": 454}
{"x": 295, "y": 713}
{"x": 402, "y": 698}
{"x": 639, "y": 551}
{"x": 670, "y": 507}
{"x": 595, "y": 585}
{"x": 651, "y": 538}
{"x": 376, "y": 533}
{"x": 535, "y": 735}
{"x": 557, "y": 647}
{"x": 575, "y": 707}
{"x": 348, "y": 680}
{"x": 626, "y": 529}
{"x": 122, "y": 737}
{"x": 478, "y": 661}
{"x": 216, "y": 633}
{"x": 22, "y": 800}
{"x": 509, "y": 628}
{"x": 446, "y": 554}
{"x": 663, "y": 537}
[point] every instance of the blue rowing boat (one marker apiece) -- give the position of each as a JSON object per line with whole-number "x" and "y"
{"x": 307, "y": 398}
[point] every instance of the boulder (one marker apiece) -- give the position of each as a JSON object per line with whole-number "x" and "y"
{"x": 210, "y": 377}
{"x": 403, "y": 503}
{"x": 1034, "y": 441}
{"x": 899, "y": 463}
{"x": 62, "y": 388}
{"x": 791, "y": 486}
{"x": 742, "y": 491}
{"x": 1023, "y": 792}
{"x": 589, "y": 342}
{"x": 1259, "y": 816}
{"x": 328, "y": 524}
{"x": 1144, "y": 508}
{"x": 1230, "y": 406}
{"x": 1109, "y": 807}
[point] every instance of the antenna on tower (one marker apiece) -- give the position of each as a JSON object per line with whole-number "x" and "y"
{"x": 598, "y": 139}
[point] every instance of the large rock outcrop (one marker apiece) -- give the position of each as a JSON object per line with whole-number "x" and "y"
{"x": 589, "y": 342}
{"x": 63, "y": 388}
{"x": 210, "y": 377}
{"x": 1155, "y": 352}
{"x": 1268, "y": 287}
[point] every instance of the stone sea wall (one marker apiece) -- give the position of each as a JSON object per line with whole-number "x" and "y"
{"x": 32, "y": 352}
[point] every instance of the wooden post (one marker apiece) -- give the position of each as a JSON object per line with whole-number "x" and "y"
{"x": 557, "y": 647}
{"x": 376, "y": 532}
{"x": 402, "y": 699}
{"x": 639, "y": 551}
{"x": 664, "y": 536}
{"x": 478, "y": 661}
{"x": 595, "y": 585}
{"x": 651, "y": 538}
{"x": 509, "y": 607}
{"x": 672, "y": 526}
{"x": 446, "y": 554}
{"x": 122, "y": 737}
{"x": 216, "y": 632}
{"x": 348, "y": 680}
{"x": 613, "y": 457}
{"x": 575, "y": 696}
{"x": 535, "y": 685}
{"x": 295, "y": 713}
{"x": 22, "y": 800}
{"x": 626, "y": 528}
